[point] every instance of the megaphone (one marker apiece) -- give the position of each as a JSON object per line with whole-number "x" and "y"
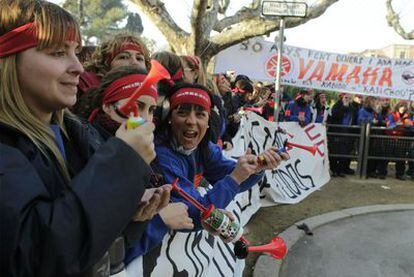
{"x": 276, "y": 248}
{"x": 129, "y": 109}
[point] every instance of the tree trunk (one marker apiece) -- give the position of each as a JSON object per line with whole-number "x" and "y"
{"x": 231, "y": 30}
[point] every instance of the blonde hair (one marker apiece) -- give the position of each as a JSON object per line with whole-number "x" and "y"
{"x": 52, "y": 24}
{"x": 98, "y": 61}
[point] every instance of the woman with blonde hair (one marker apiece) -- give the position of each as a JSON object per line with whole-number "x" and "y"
{"x": 65, "y": 194}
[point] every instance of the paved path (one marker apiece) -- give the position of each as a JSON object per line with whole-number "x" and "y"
{"x": 367, "y": 245}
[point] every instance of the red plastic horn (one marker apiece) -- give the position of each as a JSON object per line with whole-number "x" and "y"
{"x": 254, "y": 109}
{"x": 188, "y": 197}
{"x": 311, "y": 149}
{"x": 157, "y": 73}
{"x": 276, "y": 248}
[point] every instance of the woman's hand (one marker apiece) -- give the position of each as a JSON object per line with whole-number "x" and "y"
{"x": 140, "y": 139}
{"x": 272, "y": 159}
{"x": 175, "y": 216}
{"x": 246, "y": 166}
{"x": 152, "y": 202}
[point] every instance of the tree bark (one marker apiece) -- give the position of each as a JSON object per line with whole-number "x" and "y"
{"x": 393, "y": 20}
{"x": 202, "y": 41}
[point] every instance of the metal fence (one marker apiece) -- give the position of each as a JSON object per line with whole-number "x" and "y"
{"x": 364, "y": 143}
{"x": 346, "y": 142}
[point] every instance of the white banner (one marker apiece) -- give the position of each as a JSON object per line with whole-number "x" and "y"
{"x": 296, "y": 178}
{"x": 199, "y": 253}
{"x": 384, "y": 77}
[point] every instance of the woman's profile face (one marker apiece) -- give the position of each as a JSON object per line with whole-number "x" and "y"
{"x": 48, "y": 78}
{"x": 189, "y": 124}
{"x": 146, "y": 107}
{"x": 190, "y": 75}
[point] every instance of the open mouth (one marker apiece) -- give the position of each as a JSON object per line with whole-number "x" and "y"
{"x": 190, "y": 134}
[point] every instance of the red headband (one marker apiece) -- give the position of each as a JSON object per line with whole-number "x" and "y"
{"x": 125, "y": 46}
{"x": 193, "y": 60}
{"x": 239, "y": 90}
{"x": 178, "y": 75}
{"x": 123, "y": 88}
{"x": 191, "y": 96}
{"x": 17, "y": 40}
{"x": 22, "y": 38}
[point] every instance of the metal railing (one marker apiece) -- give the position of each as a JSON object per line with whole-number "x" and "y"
{"x": 363, "y": 143}
{"x": 387, "y": 145}
{"x": 347, "y": 142}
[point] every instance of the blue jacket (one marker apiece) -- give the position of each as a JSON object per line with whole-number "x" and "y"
{"x": 367, "y": 115}
{"x": 293, "y": 110}
{"x": 190, "y": 171}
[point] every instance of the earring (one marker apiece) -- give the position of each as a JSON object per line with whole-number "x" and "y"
{"x": 169, "y": 122}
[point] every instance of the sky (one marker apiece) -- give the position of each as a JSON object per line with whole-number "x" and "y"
{"x": 347, "y": 26}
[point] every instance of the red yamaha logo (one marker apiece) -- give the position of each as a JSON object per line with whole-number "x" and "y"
{"x": 271, "y": 66}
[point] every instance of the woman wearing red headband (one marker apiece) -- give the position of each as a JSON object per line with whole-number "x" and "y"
{"x": 122, "y": 50}
{"x": 117, "y": 86}
{"x": 193, "y": 70}
{"x": 63, "y": 197}
{"x": 184, "y": 151}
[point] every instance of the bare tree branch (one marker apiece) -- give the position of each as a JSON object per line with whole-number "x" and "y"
{"x": 211, "y": 15}
{"x": 393, "y": 20}
{"x": 158, "y": 14}
{"x": 197, "y": 17}
{"x": 241, "y": 15}
{"x": 258, "y": 26}
{"x": 245, "y": 24}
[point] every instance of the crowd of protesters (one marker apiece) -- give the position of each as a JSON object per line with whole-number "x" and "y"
{"x": 77, "y": 183}
{"x": 82, "y": 194}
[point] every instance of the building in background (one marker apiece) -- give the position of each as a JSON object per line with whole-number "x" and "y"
{"x": 394, "y": 51}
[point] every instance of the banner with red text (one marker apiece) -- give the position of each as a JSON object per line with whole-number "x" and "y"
{"x": 302, "y": 174}
{"x": 201, "y": 254}
{"x": 383, "y": 77}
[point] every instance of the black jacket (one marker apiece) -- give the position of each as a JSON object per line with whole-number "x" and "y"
{"x": 339, "y": 112}
{"x": 51, "y": 227}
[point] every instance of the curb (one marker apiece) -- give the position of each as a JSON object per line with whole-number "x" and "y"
{"x": 267, "y": 266}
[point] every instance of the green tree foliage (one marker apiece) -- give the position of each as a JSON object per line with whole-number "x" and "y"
{"x": 101, "y": 19}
